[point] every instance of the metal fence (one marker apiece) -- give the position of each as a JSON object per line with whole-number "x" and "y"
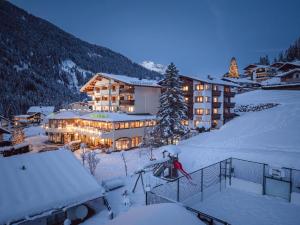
{"x": 204, "y": 182}
{"x": 214, "y": 178}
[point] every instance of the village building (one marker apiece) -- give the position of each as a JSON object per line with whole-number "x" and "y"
{"x": 209, "y": 101}
{"x": 51, "y": 186}
{"x": 4, "y": 137}
{"x": 112, "y": 93}
{"x": 107, "y": 130}
{"x": 35, "y": 114}
{"x": 259, "y": 73}
{"x": 289, "y": 66}
{"x": 124, "y": 110}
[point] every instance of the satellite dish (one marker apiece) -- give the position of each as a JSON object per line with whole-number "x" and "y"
{"x": 81, "y": 212}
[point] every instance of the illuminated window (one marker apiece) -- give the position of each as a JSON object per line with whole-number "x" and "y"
{"x": 126, "y": 125}
{"x": 199, "y": 111}
{"x": 206, "y": 86}
{"x": 186, "y": 99}
{"x": 207, "y": 99}
{"x": 129, "y": 97}
{"x": 130, "y": 109}
{"x": 215, "y": 110}
{"x": 207, "y": 111}
{"x": 185, "y": 88}
{"x": 199, "y": 87}
{"x": 185, "y": 122}
{"x": 199, "y": 99}
{"x": 215, "y": 87}
{"x": 215, "y": 99}
{"x": 121, "y": 125}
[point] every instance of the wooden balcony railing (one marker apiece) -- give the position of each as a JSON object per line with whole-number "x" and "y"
{"x": 229, "y": 94}
{"x": 216, "y": 104}
{"x": 229, "y": 104}
{"x": 216, "y": 116}
{"x": 126, "y": 102}
{"x": 126, "y": 91}
{"x": 216, "y": 93}
{"x": 228, "y": 115}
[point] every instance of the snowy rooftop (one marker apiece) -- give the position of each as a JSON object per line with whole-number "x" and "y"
{"x": 111, "y": 116}
{"x": 211, "y": 80}
{"x": 288, "y": 72}
{"x": 38, "y": 183}
{"x": 46, "y": 110}
{"x": 131, "y": 80}
{"x": 240, "y": 80}
{"x": 99, "y": 116}
{"x": 158, "y": 214}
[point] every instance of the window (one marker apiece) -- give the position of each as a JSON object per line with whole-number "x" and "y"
{"x": 129, "y": 97}
{"x": 185, "y": 122}
{"x": 199, "y": 87}
{"x": 207, "y": 111}
{"x": 215, "y": 111}
{"x": 113, "y": 98}
{"x": 186, "y": 99}
{"x": 199, "y": 99}
{"x": 207, "y": 99}
{"x": 185, "y": 88}
{"x": 206, "y": 86}
{"x": 130, "y": 109}
{"x": 199, "y": 111}
{"x": 215, "y": 87}
{"x": 215, "y": 99}
{"x": 113, "y": 88}
{"x": 121, "y": 125}
{"x": 126, "y": 125}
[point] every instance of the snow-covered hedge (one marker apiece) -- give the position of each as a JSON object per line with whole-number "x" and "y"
{"x": 254, "y": 108}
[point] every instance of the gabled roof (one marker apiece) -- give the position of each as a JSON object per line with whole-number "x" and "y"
{"x": 46, "y": 110}
{"x": 37, "y": 184}
{"x": 288, "y": 72}
{"x": 216, "y": 81}
{"x": 134, "y": 81}
{"x": 289, "y": 65}
{"x": 250, "y": 66}
{"x": 4, "y": 131}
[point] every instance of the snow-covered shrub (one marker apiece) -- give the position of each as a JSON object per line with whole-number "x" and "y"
{"x": 254, "y": 108}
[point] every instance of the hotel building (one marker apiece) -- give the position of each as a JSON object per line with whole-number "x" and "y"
{"x": 124, "y": 108}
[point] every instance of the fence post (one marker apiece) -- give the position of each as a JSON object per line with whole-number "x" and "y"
{"x": 201, "y": 184}
{"x": 291, "y": 184}
{"x": 146, "y": 197}
{"x": 178, "y": 190}
{"x": 230, "y": 171}
{"x": 220, "y": 179}
{"x": 264, "y": 180}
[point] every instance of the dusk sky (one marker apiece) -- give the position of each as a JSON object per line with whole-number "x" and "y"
{"x": 199, "y": 36}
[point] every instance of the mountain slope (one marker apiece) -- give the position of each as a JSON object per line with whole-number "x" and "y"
{"x": 42, "y": 64}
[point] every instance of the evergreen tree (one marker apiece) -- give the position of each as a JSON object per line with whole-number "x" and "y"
{"x": 172, "y": 108}
{"x": 233, "y": 69}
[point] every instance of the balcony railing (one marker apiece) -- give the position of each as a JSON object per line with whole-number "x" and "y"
{"x": 229, "y": 104}
{"x": 126, "y": 102}
{"x": 216, "y": 93}
{"x": 229, "y": 115}
{"x": 89, "y": 131}
{"x": 229, "y": 94}
{"x": 216, "y": 104}
{"x": 216, "y": 116}
{"x": 126, "y": 91}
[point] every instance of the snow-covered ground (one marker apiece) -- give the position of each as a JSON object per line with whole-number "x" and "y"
{"x": 270, "y": 136}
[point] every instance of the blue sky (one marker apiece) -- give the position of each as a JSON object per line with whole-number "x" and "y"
{"x": 199, "y": 36}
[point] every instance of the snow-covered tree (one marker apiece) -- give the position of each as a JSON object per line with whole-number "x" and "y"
{"x": 173, "y": 109}
{"x": 92, "y": 161}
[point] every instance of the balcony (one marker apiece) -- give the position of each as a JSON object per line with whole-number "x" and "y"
{"x": 229, "y": 94}
{"x": 216, "y": 104}
{"x": 229, "y": 104}
{"x": 126, "y": 91}
{"x": 229, "y": 115}
{"x": 126, "y": 102}
{"x": 216, "y": 93}
{"x": 216, "y": 116}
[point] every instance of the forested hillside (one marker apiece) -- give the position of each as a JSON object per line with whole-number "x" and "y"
{"x": 43, "y": 65}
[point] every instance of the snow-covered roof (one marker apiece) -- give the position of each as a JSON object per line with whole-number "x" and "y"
{"x": 239, "y": 80}
{"x": 211, "y": 80}
{"x": 121, "y": 78}
{"x": 115, "y": 116}
{"x": 157, "y": 214}
{"x": 288, "y": 72}
{"x": 66, "y": 114}
{"x": 24, "y": 116}
{"x": 3, "y": 130}
{"x": 46, "y": 110}
{"x": 36, "y": 184}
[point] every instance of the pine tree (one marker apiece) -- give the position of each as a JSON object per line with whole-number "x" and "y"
{"x": 172, "y": 108}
